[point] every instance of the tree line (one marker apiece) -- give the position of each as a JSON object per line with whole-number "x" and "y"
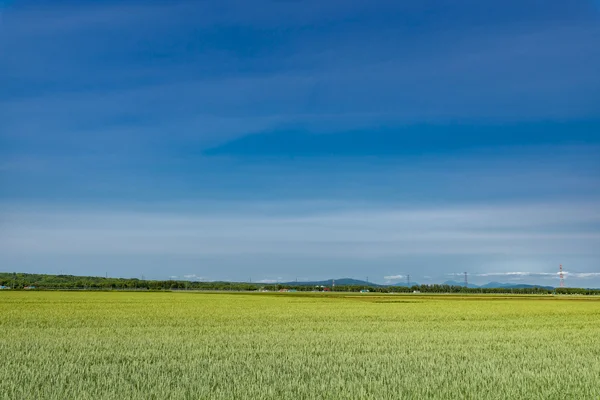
{"x": 23, "y": 281}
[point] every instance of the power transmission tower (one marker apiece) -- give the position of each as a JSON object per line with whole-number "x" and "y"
{"x": 408, "y": 280}
{"x": 562, "y": 276}
{"x": 466, "y": 280}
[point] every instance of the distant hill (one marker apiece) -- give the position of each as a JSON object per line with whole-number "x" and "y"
{"x": 346, "y": 282}
{"x": 329, "y": 282}
{"x": 498, "y": 285}
{"x": 358, "y": 282}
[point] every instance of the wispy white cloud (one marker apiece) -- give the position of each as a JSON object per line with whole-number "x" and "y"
{"x": 519, "y": 274}
{"x": 581, "y": 275}
{"x": 585, "y": 275}
{"x": 270, "y": 280}
{"x": 194, "y": 277}
{"x": 394, "y": 277}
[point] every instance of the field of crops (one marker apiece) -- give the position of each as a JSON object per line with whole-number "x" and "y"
{"x": 84, "y": 345}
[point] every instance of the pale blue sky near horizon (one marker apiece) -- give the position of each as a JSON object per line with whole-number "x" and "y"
{"x": 317, "y": 139}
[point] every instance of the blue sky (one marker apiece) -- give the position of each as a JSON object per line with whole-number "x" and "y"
{"x": 309, "y": 140}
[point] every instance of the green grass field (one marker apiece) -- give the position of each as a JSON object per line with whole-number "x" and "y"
{"x": 105, "y": 345}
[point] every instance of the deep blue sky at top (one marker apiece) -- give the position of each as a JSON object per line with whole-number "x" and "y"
{"x": 302, "y": 109}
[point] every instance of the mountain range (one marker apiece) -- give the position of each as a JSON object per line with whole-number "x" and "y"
{"x": 329, "y": 282}
{"x": 497, "y": 285}
{"x": 358, "y": 282}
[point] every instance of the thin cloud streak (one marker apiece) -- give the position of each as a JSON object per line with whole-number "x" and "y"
{"x": 517, "y": 230}
{"x": 394, "y": 277}
{"x": 269, "y": 280}
{"x": 194, "y": 277}
{"x": 566, "y": 274}
{"x": 585, "y": 275}
{"x": 519, "y": 274}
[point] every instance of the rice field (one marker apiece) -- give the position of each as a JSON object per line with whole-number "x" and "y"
{"x": 107, "y": 345}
